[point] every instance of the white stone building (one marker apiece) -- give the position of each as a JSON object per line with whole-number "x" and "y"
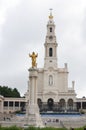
{"x": 53, "y": 94}
{"x": 53, "y": 90}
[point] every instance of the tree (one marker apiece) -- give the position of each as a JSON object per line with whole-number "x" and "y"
{"x": 9, "y": 92}
{"x": 16, "y": 93}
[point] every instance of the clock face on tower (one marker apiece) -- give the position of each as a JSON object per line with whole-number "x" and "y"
{"x": 50, "y": 37}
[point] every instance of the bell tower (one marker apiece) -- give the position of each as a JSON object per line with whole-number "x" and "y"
{"x": 50, "y": 45}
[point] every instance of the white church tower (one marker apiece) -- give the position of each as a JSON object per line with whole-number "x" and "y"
{"x": 55, "y": 79}
{"x": 50, "y": 45}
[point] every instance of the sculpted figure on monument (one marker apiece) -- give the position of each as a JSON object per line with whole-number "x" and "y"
{"x": 33, "y": 57}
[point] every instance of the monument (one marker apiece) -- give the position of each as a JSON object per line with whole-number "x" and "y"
{"x": 32, "y": 114}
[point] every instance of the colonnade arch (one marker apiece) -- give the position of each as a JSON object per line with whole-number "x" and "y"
{"x": 66, "y": 104}
{"x": 62, "y": 104}
{"x": 70, "y": 104}
{"x": 50, "y": 103}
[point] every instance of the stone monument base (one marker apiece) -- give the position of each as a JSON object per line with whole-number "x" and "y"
{"x": 35, "y": 120}
{"x": 34, "y": 117}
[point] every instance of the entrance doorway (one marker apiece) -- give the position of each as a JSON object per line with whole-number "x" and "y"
{"x": 50, "y": 103}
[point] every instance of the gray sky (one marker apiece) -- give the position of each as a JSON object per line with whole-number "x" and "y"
{"x": 23, "y": 30}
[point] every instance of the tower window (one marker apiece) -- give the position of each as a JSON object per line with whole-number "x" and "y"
{"x": 50, "y": 29}
{"x": 50, "y": 80}
{"x": 50, "y": 51}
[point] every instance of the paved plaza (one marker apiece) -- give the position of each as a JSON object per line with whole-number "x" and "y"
{"x": 49, "y": 121}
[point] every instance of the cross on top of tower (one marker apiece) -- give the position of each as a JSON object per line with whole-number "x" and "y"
{"x": 51, "y": 16}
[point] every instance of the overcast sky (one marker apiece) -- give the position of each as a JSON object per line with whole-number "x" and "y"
{"x": 23, "y": 30}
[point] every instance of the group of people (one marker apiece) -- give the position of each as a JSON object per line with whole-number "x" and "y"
{"x": 51, "y": 121}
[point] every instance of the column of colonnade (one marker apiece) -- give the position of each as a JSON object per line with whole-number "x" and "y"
{"x": 1, "y": 106}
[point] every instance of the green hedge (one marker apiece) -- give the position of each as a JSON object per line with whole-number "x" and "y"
{"x": 10, "y": 128}
{"x": 45, "y": 128}
{"x": 34, "y": 128}
{"x": 30, "y": 128}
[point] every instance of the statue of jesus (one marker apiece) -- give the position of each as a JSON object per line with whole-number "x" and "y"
{"x": 33, "y": 56}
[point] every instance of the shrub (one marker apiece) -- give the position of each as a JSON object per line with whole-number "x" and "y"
{"x": 10, "y": 128}
{"x": 45, "y": 128}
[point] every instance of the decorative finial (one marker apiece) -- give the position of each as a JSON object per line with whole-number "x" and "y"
{"x": 51, "y": 17}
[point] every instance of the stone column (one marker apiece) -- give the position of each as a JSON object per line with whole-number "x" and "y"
{"x": 13, "y": 106}
{"x": 33, "y": 115}
{"x": 1, "y": 106}
{"x": 81, "y": 105}
{"x": 66, "y": 106}
{"x": 8, "y": 106}
{"x": 19, "y": 106}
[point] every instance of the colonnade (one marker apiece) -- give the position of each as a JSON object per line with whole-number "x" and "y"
{"x": 9, "y": 105}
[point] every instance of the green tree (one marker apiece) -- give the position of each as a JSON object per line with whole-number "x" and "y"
{"x": 16, "y": 93}
{"x": 9, "y": 92}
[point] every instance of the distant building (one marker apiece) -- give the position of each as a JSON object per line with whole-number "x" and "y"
{"x": 54, "y": 94}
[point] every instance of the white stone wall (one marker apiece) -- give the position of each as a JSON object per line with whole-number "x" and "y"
{"x": 62, "y": 81}
{"x": 59, "y": 85}
{"x": 40, "y": 81}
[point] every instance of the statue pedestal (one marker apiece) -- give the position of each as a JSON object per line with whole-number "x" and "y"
{"x": 32, "y": 114}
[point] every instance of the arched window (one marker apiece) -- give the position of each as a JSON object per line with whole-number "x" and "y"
{"x": 50, "y": 80}
{"x": 50, "y": 51}
{"x": 50, "y": 29}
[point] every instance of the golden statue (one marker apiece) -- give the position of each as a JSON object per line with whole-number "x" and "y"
{"x": 33, "y": 56}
